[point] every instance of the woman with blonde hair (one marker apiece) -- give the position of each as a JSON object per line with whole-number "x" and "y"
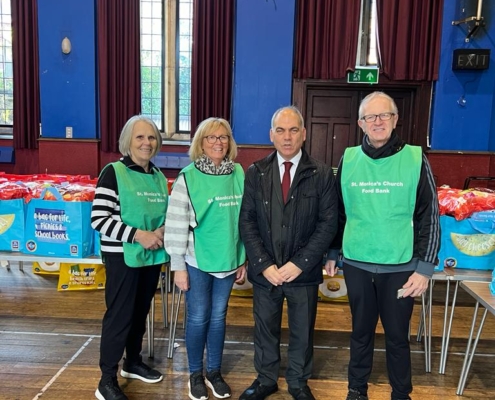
{"x": 206, "y": 252}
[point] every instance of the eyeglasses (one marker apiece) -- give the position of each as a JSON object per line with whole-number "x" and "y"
{"x": 383, "y": 117}
{"x": 212, "y": 139}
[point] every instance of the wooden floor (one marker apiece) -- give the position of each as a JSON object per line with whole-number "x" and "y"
{"x": 49, "y": 344}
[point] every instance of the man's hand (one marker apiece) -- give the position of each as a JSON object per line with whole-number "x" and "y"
{"x": 289, "y": 271}
{"x": 181, "y": 280}
{"x": 273, "y": 275}
{"x": 416, "y": 285}
{"x": 331, "y": 267}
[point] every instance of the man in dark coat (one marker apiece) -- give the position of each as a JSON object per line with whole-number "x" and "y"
{"x": 288, "y": 219}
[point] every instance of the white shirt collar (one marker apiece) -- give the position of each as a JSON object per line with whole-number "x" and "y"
{"x": 294, "y": 160}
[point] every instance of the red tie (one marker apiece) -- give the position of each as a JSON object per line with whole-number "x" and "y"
{"x": 286, "y": 180}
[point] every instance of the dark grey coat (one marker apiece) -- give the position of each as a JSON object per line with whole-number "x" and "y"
{"x": 313, "y": 219}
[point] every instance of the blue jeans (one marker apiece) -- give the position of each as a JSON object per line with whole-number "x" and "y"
{"x": 207, "y": 301}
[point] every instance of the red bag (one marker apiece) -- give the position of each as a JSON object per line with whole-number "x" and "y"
{"x": 461, "y": 204}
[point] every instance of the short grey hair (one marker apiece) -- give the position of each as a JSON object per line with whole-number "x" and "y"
{"x": 294, "y": 109}
{"x": 371, "y": 96}
{"x": 126, "y": 135}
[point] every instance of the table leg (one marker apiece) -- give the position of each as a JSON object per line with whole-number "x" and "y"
{"x": 419, "y": 334}
{"x": 428, "y": 332}
{"x": 5, "y": 264}
{"x": 424, "y": 306}
{"x": 468, "y": 358}
{"x": 444, "y": 332}
{"x": 423, "y": 318}
{"x": 446, "y": 335}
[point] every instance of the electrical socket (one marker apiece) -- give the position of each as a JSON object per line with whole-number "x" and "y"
{"x": 68, "y": 132}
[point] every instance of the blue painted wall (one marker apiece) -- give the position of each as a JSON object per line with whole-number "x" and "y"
{"x": 67, "y": 82}
{"x": 468, "y": 127}
{"x": 263, "y": 66}
{"x": 262, "y": 73}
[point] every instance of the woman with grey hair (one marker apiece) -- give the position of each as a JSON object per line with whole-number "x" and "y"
{"x": 206, "y": 252}
{"x": 129, "y": 213}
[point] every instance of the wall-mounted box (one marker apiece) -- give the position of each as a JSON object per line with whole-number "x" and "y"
{"x": 469, "y": 59}
{"x": 7, "y": 155}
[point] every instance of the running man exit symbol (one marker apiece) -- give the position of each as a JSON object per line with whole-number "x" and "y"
{"x": 363, "y": 75}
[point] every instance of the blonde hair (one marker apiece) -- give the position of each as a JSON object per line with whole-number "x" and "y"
{"x": 204, "y": 129}
{"x": 126, "y": 135}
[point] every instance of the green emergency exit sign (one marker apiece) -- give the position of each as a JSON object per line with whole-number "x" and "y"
{"x": 363, "y": 75}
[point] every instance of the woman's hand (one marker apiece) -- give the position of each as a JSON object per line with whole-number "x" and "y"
{"x": 181, "y": 280}
{"x": 160, "y": 232}
{"x": 240, "y": 275}
{"x": 149, "y": 240}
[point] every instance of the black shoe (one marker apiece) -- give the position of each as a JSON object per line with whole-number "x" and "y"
{"x": 216, "y": 383}
{"x": 110, "y": 390}
{"x": 197, "y": 387}
{"x": 354, "y": 394}
{"x": 140, "y": 371}
{"x": 257, "y": 391}
{"x": 303, "y": 393}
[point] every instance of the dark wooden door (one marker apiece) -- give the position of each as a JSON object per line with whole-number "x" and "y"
{"x": 331, "y": 123}
{"x": 331, "y": 114}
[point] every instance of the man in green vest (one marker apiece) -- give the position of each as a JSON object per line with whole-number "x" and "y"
{"x": 389, "y": 236}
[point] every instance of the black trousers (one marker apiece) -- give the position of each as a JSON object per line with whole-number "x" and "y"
{"x": 267, "y": 308}
{"x": 371, "y": 296}
{"x": 128, "y": 295}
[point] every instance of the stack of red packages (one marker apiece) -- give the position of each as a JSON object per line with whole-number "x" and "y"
{"x": 27, "y": 187}
{"x": 461, "y": 204}
{"x": 14, "y": 190}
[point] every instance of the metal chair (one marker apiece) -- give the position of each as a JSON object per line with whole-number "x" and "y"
{"x": 164, "y": 285}
{"x": 164, "y": 290}
{"x": 151, "y": 330}
{"x": 174, "y": 314}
